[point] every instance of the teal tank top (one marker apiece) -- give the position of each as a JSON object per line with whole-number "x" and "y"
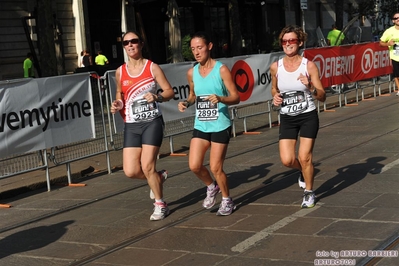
{"x": 210, "y": 117}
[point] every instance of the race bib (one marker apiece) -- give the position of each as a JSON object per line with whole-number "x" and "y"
{"x": 396, "y": 49}
{"x": 143, "y": 111}
{"x": 206, "y": 111}
{"x": 294, "y": 102}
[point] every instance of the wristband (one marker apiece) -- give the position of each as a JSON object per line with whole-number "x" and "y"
{"x": 159, "y": 98}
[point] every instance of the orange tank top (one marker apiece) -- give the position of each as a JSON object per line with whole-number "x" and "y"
{"x": 136, "y": 109}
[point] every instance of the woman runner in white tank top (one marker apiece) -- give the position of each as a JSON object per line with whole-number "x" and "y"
{"x": 295, "y": 85}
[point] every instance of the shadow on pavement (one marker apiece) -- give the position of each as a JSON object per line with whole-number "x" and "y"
{"x": 33, "y": 238}
{"x": 347, "y": 176}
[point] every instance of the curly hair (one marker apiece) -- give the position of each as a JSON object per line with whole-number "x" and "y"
{"x": 295, "y": 29}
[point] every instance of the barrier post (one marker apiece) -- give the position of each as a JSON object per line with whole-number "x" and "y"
{"x": 47, "y": 169}
{"x": 269, "y": 103}
{"x": 392, "y": 83}
{"x": 107, "y": 102}
{"x": 233, "y": 114}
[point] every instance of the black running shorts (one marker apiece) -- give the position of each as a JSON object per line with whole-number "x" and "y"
{"x": 395, "y": 66}
{"x": 150, "y": 133}
{"x": 305, "y": 124}
{"x": 218, "y": 137}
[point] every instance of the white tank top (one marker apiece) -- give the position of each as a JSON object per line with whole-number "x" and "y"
{"x": 297, "y": 97}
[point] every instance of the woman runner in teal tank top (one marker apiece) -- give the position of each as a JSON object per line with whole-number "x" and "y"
{"x": 212, "y": 90}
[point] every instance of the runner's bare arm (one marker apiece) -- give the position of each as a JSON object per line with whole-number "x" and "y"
{"x": 233, "y": 97}
{"x": 316, "y": 84}
{"x": 163, "y": 82}
{"x": 277, "y": 100}
{"x": 182, "y": 106}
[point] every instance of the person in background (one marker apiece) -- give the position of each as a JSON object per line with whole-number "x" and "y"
{"x": 82, "y": 53}
{"x": 101, "y": 59}
{"x": 390, "y": 39}
{"x": 86, "y": 59}
{"x": 335, "y": 37}
{"x": 212, "y": 90}
{"x": 28, "y": 66}
{"x": 295, "y": 84}
{"x": 139, "y": 104}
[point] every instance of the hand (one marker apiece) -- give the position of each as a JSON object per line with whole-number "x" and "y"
{"x": 277, "y": 99}
{"x": 213, "y": 98}
{"x": 182, "y": 106}
{"x": 150, "y": 97}
{"x": 304, "y": 79}
{"x": 116, "y": 106}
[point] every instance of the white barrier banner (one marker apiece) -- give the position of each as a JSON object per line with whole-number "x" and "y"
{"x": 41, "y": 113}
{"x": 250, "y": 73}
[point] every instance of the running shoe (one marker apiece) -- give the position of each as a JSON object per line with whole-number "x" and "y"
{"x": 210, "y": 199}
{"x": 301, "y": 181}
{"x": 226, "y": 207}
{"x": 161, "y": 210}
{"x": 163, "y": 174}
{"x": 397, "y": 94}
{"x": 309, "y": 199}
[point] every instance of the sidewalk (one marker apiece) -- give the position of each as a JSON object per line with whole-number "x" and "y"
{"x": 107, "y": 222}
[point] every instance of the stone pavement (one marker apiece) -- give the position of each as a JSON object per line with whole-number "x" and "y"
{"x": 107, "y": 222}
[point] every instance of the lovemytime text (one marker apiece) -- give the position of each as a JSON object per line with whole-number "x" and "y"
{"x": 43, "y": 115}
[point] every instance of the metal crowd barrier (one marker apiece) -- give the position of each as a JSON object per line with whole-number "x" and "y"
{"x": 343, "y": 89}
{"x": 246, "y": 111}
{"x": 71, "y": 152}
{"x": 115, "y": 139}
{"x": 177, "y": 127}
{"x": 385, "y": 79}
{"x": 64, "y": 154}
{"x": 23, "y": 163}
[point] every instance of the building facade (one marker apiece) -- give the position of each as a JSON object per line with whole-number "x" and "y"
{"x": 99, "y": 24}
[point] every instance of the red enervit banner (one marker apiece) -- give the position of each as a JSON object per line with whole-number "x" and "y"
{"x": 350, "y": 63}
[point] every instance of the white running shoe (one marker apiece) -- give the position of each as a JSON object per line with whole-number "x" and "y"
{"x": 309, "y": 199}
{"x": 161, "y": 210}
{"x": 226, "y": 207}
{"x": 163, "y": 174}
{"x": 210, "y": 199}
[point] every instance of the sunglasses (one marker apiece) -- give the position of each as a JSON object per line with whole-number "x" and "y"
{"x": 289, "y": 41}
{"x": 395, "y": 18}
{"x": 132, "y": 41}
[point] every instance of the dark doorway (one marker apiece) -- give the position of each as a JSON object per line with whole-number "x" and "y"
{"x": 105, "y": 29}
